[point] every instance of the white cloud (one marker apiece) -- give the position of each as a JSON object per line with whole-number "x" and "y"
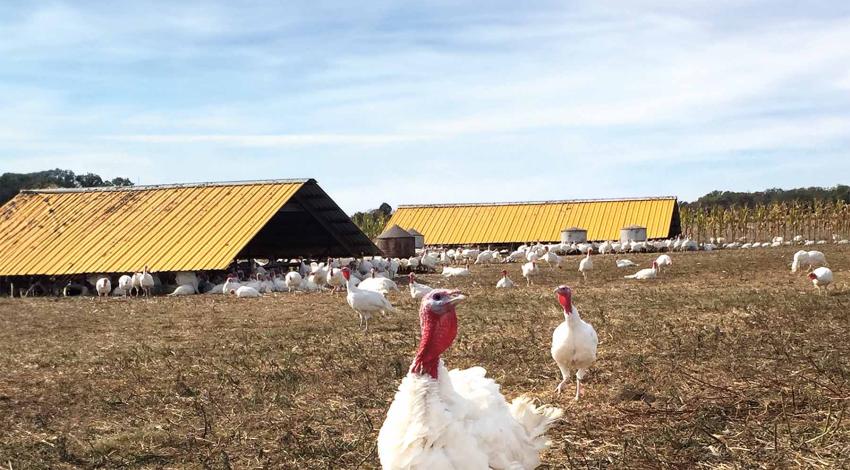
{"x": 400, "y": 93}
{"x": 270, "y": 140}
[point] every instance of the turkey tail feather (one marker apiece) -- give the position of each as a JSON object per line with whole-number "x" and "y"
{"x": 536, "y": 420}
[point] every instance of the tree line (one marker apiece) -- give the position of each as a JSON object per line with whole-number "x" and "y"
{"x": 12, "y": 183}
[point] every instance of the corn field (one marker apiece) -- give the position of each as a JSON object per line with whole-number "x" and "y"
{"x": 818, "y": 220}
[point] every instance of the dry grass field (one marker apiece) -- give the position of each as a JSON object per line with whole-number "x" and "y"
{"x": 728, "y": 361}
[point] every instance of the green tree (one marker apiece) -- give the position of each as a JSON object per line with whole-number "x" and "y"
{"x": 12, "y": 183}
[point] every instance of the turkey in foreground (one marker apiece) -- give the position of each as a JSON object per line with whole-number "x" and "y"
{"x": 457, "y": 419}
{"x": 573, "y": 342}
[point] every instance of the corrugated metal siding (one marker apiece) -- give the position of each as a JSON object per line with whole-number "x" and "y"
{"x": 183, "y": 228}
{"x": 530, "y": 222}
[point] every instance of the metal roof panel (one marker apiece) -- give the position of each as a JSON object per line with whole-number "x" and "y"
{"x": 519, "y": 222}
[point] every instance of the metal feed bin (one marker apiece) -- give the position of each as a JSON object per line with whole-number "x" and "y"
{"x": 634, "y": 233}
{"x": 418, "y": 238}
{"x": 573, "y": 235}
{"x": 396, "y": 243}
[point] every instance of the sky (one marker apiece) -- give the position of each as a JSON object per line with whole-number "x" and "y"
{"x": 433, "y": 102}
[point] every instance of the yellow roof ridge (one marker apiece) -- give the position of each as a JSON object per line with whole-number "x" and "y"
{"x": 554, "y": 201}
{"x": 168, "y": 186}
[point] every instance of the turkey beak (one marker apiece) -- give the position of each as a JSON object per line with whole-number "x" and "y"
{"x": 456, "y": 298}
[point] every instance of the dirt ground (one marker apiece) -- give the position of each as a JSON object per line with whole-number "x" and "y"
{"x": 726, "y": 361}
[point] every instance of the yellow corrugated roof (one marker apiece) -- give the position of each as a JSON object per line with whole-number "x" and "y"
{"x": 105, "y": 230}
{"x": 517, "y": 222}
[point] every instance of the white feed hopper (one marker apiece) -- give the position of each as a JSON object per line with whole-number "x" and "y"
{"x": 634, "y": 233}
{"x": 573, "y": 235}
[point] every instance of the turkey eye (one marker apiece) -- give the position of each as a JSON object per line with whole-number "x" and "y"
{"x": 438, "y": 297}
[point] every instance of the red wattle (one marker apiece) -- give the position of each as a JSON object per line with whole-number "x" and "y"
{"x": 566, "y": 302}
{"x": 438, "y": 333}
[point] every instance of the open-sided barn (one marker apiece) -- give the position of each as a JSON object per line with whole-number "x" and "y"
{"x": 183, "y": 227}
{"x": 521, "y": 222}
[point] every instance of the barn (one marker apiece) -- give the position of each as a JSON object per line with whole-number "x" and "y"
{"x": 171, "y": 228}
{"x": 514, "y": 223}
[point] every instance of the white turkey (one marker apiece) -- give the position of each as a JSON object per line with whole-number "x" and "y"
{"x": 190, "y": 278}
{"x": 365, "y": 302}
{"x": 648, "y": 273}
{"x": 663, "y": 261}
{"x": 103, "y": 287}
{"x": 586, "y": 264}
{"x": 185, "y": 289}
{"x": 310, "y": 284}
{"x": 625, "y": 263}
{"x": 441, "y": 419}
{"x": 417, "y": 291}
{"x": 292, "y": 280}
{"x": 505, "y": 282}
{"x": 821, "y": 278}
{"x": 551, "y": 259}
{"x": 143, "y": 282}
{"x": 245, "y": 292}
{"x": 430, "y": 261}
{"x": 378, "y": 284}
{"x": 574, "y": 342}
{"x": 335, "y": 279}
{"x": 806, "y": 260}
{"x": 231, "y": 284}
{"x": 529, "y": 270}
{"x": 485, "y": 257}
{"x": 451, "y": 271}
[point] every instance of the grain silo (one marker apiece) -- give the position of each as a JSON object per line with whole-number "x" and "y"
{"x": 573, "y": 235}
{"x": 418, "y": 238}
{"x": 634, "y": 233}
{"x": 396, "y": 243}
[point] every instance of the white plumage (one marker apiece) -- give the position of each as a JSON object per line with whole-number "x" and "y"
{"x": 230, "y": 284}
{"x": 821, "y": 277}
{"x": 103, "y": 287}
{"x": 310, "y": 284}
{"x": 185, "y": 289}
{"x": 505, "y": 282}
{"x": 648, "y": 273}
{"x": 807, "y": 259}
{"x": 574, "y": 342}
{"x": 244, "y": 292}
{"x": 336, "y": 279}
{"x": 529, "y": 270}
{"x": 663, "y": 261}
{"x": 551, "y": 259}
{"x": 365, "y": 302}
{"x": 457, "y": 419}
{"x": 292, "y": 280}
{"x": 125, "y": 284}
{"x": 625, "y": 263}
{"x": 190, "y": 278}
{"x": 450, "y": 271}
{"x": 378, "y": 284}
{"x": 586, "y": 264}
{"x": 143, "y": 282}
{"x": 417, "y": 291}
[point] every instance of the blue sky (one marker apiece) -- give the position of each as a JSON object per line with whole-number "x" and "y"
{"x": 420, "y": 102}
